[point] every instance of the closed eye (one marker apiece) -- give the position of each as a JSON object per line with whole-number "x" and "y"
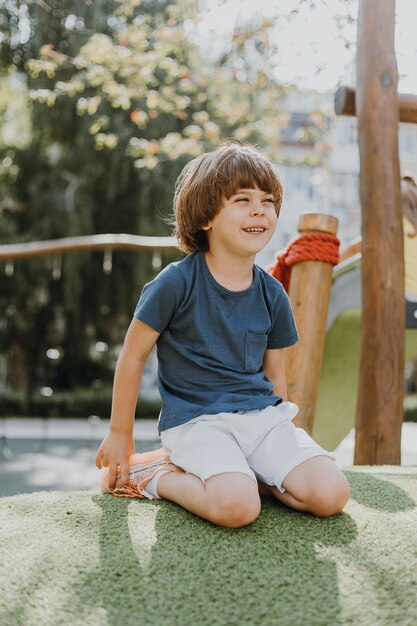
{"x": 269, "y": 200}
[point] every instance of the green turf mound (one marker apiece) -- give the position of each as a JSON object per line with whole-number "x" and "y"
{"x": 81, "y": 558}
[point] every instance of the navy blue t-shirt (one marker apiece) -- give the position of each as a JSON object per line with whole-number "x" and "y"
{"x": 212, "y": 342}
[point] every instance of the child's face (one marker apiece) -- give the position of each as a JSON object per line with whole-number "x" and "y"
{"x": 244, "y": 224}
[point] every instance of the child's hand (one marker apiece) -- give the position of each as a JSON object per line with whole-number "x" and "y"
{"x": 114, "y": 452}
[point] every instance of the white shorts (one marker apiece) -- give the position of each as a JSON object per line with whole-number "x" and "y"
{"x": 263, "y": 444}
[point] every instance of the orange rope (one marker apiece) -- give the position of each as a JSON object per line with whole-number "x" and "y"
{"x": 308, "y": 247}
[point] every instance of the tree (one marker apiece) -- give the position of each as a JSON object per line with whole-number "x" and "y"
{"x": 119, "y": 99}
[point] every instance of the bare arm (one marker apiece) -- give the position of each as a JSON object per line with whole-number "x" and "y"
{"x": 275, "y": 370}
{"x": 118, "y": 444}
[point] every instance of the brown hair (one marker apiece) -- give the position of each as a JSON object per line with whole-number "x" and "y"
{"x": 208, "y": 179}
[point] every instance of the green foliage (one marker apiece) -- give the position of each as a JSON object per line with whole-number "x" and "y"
{"x": 115, "y": 97}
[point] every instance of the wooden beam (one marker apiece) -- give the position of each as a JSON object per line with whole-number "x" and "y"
{"x": 13, "y": 251}
{"x": 345, "y": 104}
{"x": 380, "y": 399}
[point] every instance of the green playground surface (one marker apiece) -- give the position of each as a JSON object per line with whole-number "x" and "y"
{"x": 82, "y": 558}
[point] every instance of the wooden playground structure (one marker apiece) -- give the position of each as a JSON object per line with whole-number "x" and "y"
{"x": 378, "y": 108}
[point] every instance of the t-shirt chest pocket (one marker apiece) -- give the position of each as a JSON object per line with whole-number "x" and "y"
{"x": 255, "y": 346}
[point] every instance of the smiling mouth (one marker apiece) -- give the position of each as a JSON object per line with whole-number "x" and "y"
{"x": 254, "y": 231}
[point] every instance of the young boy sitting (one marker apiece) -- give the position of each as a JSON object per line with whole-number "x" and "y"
{"x": 220, "y": 324}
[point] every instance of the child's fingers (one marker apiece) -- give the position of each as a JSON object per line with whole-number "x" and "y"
{"x": 99, "y": 460}
{"x": 124, "y": 474}
{"x": 112, "y": 475}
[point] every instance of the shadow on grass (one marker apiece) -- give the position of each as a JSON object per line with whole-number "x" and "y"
{"x": 118, "y": 584}
{"x": 154, "y": 563}
{"x": 376, "y": 493}
{"x": 196, "y": 573}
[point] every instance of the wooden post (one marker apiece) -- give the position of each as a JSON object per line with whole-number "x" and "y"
{"x": 309, "y": 294}
{"x": 380, "y": 399}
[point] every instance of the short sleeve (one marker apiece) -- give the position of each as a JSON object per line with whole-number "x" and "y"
{"x": 284, "y": 331}
{"x": 160, "y": 298}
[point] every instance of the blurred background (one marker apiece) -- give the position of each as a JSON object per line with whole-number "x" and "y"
{"x": 101, "y": 106}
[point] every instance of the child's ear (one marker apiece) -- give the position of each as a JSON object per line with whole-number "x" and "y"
{"x": 207, "y": 227}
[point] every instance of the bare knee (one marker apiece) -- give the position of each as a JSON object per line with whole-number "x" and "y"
{"x": 235, "y": 507}
{"x": 234, "y": 513}
{"x": 329, "y": 499}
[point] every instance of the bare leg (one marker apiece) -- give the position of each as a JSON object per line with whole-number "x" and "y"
{"x": 316, "y": 485}
{"x": 229, "y": 499}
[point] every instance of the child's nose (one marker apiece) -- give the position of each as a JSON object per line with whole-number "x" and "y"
{"x": 257, "y": 208}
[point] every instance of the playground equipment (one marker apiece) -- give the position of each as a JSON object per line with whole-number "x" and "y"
{"x": 309, "y": 258}
{"x": 106, "y": 242}
{"x": 323, "y": 368}
{"x": 381, "y": 381}
{"x": 339, "y": 380}
{"x": 345, "y": 104}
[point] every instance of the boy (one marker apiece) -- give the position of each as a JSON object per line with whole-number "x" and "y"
{"x": 221, "y": 325}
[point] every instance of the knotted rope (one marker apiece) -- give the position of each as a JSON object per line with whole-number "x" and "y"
{"x": 306, "y": 247}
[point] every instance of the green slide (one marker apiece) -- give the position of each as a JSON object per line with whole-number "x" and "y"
{"x": 336, "y": 406}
